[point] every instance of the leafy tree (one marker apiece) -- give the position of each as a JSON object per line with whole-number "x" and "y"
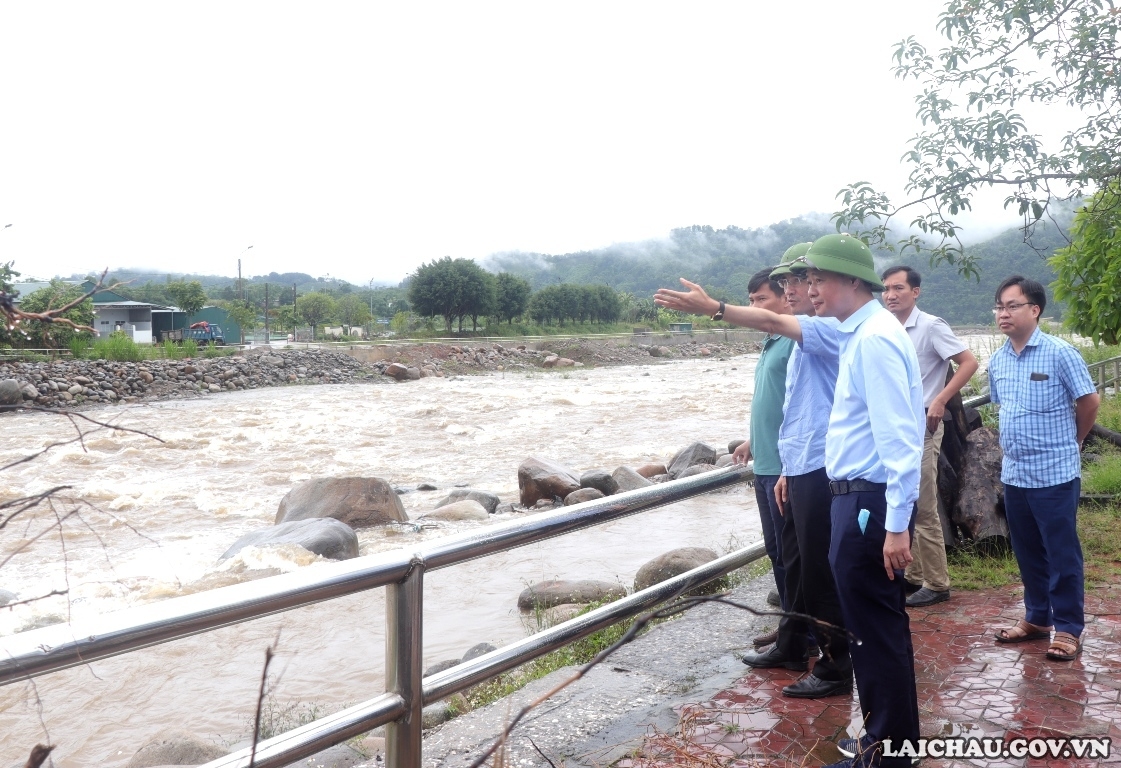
{"x": 189, "y": 297}
{"x": 1088, "y": 271}
{"x": 6, "y": 275}
{"x": 453, "y": 289}
{"x": 434, "y": 291}
{"x": 57, "y": 294}
{"x": 973, "y": 135}
{"x": 352, "y": 310}
{"x": 245, "y": 315}
{"x": 511, "y": 297}
{"x": 478, "y": 288}
{"x": 286, "y": 317}
{"x": 315, "y": 307}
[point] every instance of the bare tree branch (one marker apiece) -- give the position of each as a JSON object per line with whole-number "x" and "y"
{"x": 38, "y": 756}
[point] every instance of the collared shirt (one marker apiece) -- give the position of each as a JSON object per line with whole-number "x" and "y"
{"x": 877, "y": 423}
{"x": 810, "y": 378}
{"x": 766, "y": 404}
{"x": 1036, "y": 389}
{"x": 934, "y": 344}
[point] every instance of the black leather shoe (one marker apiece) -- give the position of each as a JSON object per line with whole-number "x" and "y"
{"x": 812, "y": 687}
{"x": 927, "y": 597}
{"x": 911, "y": 587}
{"x": 773, "y": 659}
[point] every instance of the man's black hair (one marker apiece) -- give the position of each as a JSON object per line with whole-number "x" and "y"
{"x": 914, "y": 279}
{"x": 760, "y": 278}
{"x": 1033, "y": 291}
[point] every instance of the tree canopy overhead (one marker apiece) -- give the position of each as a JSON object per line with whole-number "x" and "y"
{"x": 1000, "y": 55}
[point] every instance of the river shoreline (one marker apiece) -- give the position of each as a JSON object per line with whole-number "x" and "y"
{"x": 70, "y": 384}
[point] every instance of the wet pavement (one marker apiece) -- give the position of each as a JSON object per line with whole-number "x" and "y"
{"x": 968, "y": 685}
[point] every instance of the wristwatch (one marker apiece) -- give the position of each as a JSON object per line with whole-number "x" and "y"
{"x": 719, "y": 313}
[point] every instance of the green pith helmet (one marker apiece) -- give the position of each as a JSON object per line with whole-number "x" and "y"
{"x": 792, "y": 253}
{"x": 845, "y": 255}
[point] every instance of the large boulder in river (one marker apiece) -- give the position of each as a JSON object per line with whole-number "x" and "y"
{"x": 544, "y": 479}
{"x": 670, "y": 564}
{"x": 546, "y": 594}
{"x": 629, "y": 480}
{"x": 7, "y": 597}
{"x": 464, "y": 509}
{"x": 397, "y": 371}
{"x": 650, "y": 470}
{"x": 980, "y": 505}
{"x": 324, "y": 536}
{"x": 697, "y": 453}
{"x": 360, "y": 502}
{"x": 582, "y": 495}
{"x": 176, "y": 748}
{"x": 601, "y": 480}
{"x": 10, "y": 393}
{"x": 488, "y": 500}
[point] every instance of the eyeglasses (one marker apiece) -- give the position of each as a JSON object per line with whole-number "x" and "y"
{"x": 1010, "y": 308}
{"x": 791, "y": 280}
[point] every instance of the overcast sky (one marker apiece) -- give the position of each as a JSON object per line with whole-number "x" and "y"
{"x": 359, "y": 140}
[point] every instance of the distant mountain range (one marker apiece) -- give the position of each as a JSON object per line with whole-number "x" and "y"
{"x": 722, "y": 260}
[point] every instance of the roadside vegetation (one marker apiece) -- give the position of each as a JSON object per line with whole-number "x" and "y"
{"x": 118, "y": 347}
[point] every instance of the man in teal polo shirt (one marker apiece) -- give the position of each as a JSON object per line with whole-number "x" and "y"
{"x": 766, "y": 418}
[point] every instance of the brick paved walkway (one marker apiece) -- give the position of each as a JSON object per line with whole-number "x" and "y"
{"x": 967, "y": 684}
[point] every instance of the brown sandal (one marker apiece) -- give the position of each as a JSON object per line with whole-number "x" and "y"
{"x": 1064, "y": 647}
{"x": 1022, "y": 632}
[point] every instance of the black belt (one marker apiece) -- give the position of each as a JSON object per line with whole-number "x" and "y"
{"x": 841, "y": 487}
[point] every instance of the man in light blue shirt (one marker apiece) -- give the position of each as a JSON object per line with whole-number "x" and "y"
{"x": 873, "y": 454}
{"x": 1048, "y": 404}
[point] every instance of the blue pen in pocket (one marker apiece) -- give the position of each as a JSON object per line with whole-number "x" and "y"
{"x": 862, "y": 519}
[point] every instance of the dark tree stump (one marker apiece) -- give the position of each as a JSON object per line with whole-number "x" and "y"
{"x": 980, "y": 506}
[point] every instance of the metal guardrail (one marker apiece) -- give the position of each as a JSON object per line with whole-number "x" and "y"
{"x": 42, "y": 651}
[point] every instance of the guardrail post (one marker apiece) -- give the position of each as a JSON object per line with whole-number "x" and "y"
{"x": 404, "y": 617}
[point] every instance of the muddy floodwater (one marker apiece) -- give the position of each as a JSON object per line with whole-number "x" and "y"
{"x": 164, "y": 513}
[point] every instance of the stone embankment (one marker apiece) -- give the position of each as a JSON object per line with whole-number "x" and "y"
{"x": 70, "y": 383}
{"x": 74, "y": 382}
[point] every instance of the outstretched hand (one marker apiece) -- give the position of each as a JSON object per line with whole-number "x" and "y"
{"x": 694, "y": 300}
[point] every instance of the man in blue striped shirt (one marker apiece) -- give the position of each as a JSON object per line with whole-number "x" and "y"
{"x": 1048, "y": 404}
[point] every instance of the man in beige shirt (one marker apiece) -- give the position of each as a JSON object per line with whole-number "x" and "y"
{"x": 936, "y": 345}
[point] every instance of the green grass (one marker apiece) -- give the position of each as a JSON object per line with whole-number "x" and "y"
{"x": 1103, "y": 473}
{"x": 1099, "y": 529}
{"x": 1109, "y": 415}
{"x": 119, "y": 348}
{"x": 580, "y": 652}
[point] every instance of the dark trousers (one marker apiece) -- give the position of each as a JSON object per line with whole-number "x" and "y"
{"x": 1042, "y": 524}
{"x": 809, "y": 580}
{"x": 771, "y": 520}
{"x": 874, "y": 608}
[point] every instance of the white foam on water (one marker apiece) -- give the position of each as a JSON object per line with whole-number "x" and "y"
{"x": 169, "y": 511}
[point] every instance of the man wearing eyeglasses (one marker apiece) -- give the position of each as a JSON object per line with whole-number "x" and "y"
{"x": 928, "y": 575}
{"x": 1048, "y": 404}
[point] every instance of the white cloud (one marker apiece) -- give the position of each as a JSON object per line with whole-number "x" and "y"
{"x": 360, "y": 139}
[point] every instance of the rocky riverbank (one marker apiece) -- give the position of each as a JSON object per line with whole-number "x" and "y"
{"x": 68, "y": 383}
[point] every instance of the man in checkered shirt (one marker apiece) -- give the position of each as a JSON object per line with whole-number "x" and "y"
{"x": 1048, "y": 404}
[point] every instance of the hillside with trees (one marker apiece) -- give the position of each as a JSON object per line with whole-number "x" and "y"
{"x": 723, "y": 260}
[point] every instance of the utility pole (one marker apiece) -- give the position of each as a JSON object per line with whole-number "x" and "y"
{"x": 293, "y": 311}
{"x": 268, "y": 340}
{"x": 239, "y": 293}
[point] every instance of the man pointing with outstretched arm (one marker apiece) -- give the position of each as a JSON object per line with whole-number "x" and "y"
{"x": 873, "y": 456}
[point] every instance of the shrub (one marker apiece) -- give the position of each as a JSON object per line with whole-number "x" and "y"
{"x": 118, "y": 347}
